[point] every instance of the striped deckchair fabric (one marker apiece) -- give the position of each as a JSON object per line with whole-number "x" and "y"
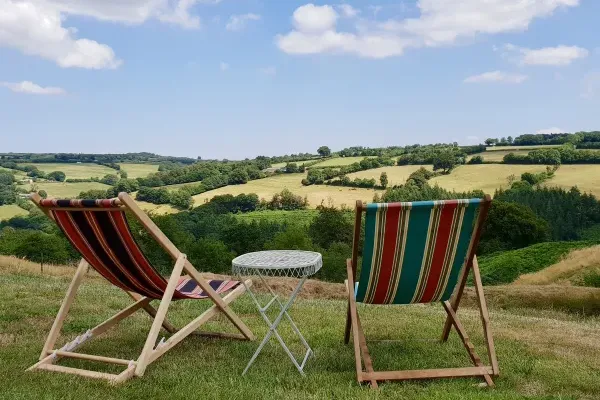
{"x": 100, "y": 232}
{"x": 414, "y": 252}
{"x": 107, "y": 244}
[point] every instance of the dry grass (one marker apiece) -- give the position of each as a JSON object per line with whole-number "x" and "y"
{"x": 339, "y": 161}
{"x": 68, "y": 190}
{"x": 265, "y": 188}
{"x": 11, "y": 210}
{"x": 567, "y": 271}
{"x": 498, "y": 156}
{"x": 76, "y": 171}
{"x": 586, "y": 177}
{"x": 487, "y": 177}
{"x": 138, "y": 170}
{"x": 283, "y": 164}
{"x": 397, "y": 175}
{"x": 532, "y": 147}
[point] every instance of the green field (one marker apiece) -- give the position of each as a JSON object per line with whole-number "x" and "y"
{"x": 68, "y": 190}
{"x": 11, "y": 210}
{"x": 498, "y": 156}
{"x": 397, "y": 175}
{"x": 513, "y": 148}
{"x": 338, "y": 162}
{"x": 76, "y": 171}
{"x": 138, "y": 170}
{"x": 542, "y": 354}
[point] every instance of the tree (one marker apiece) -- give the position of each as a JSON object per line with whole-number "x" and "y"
{"x": 181, "y": 199}
{"x": 330, "y": 226}
{"x": 6, "y": 178}
{"x": 47, "y": 249}
{"x": 291, "y": 168}
{"x": 43, "y": 194}
{"x": 383, "y": 180}
{"x": 324, "y": 151}
{"x": 238, "y": 176}
{"x": 509, "y": 140}
{"x": 475, "y": 160}
{"x": 446, "y": 160}
{"x": 58, "y": 176}
{"x": 123, "y": 174}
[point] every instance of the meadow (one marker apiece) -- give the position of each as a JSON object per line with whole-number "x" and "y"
{"x": 338, "y": 162}
{"x": 138, "y": 170}
{"x": 512, "y": 148}
{"x": 8, "y": 211}
{"x": 76, "y": 171}
{"x": 68, "y": 190}
{"x": 498, "y": 156}
{"x": 542, "y": 354}
{"x": 397, "y": 175}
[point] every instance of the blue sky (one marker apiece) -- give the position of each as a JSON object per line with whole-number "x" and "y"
{"x": 241, "y": 78}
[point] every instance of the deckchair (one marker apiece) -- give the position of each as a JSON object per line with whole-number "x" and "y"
{"x": 99, "y": 230}
{"x": 420, "y": 252}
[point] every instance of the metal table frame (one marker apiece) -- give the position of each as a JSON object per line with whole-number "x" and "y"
{"x": 278, "y": 267}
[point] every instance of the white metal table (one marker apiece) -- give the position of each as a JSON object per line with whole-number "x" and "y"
{"x": 287, "y": 263}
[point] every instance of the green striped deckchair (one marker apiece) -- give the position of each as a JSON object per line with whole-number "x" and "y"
{"x": 419, "y": 252}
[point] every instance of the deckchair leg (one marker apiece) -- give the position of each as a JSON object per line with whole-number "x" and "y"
{"x": 160, "y": 315}
{"x": 152, "y": 312}
{"x": 64, "y": 308}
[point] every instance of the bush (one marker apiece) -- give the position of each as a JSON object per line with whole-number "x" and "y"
{"x": 110, "y": 179}
{"x": 153, "y": 195}
{"x": 210, "y": 255}
{"x": 475, "y": 160}
{"x": 181, "y": 199}
{"x": 330, "y": 226}
{"x": 58, "y": 176}
{"x": 295, "y": 237}
{"x": 238, "y": 177}
{"x": 43, "y": 194}
{"x": 6, "y": 178}
{"x": 592, "y": 279}
{"x": 286, "y": 200}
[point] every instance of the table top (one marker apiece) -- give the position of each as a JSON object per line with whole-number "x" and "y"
{"x": 296, "y": 263}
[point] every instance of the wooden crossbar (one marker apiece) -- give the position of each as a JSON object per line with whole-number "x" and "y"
{"x": 426, "y": 373}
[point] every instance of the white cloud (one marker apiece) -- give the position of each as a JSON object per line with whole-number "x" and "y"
{"x": 555, "y": 56}
{"x": 548, "y": 131}
{"x": 31, "y": 88}
{"x": 268, "y": 70}
{"x": 223, "y": 66}
{"x": 496, "y": 76}
{"x": 347, "y": 10}
{"x": 441, "y": 22}
{"x": 38, "y": 27}
{"x": 238, "y": 22}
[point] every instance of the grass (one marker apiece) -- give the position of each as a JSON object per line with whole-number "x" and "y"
{"x": 339, "y": 161}
{"x": 506, "y": 267}
{"x": 397, "y": 175}
{"x": 303, "y": 217}
{"x": 265, "y": 188}
{"x": 76, "y": 171}
{"x": 11, "y": 210}
{"x": 532, "y": 147}
{"x": 584, "y": 176}
{"x": 68, "y": 190}
{"x": 283, "y": 164}
{"x": 497, "y": 156}
{"x": 487, "y": 177}
{"x": 139, "y": 170}
{"x": 542, "y": 354}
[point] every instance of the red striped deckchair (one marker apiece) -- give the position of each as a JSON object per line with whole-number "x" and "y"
{"x": 98, "y": 229}
{"x": 420, "y": 252}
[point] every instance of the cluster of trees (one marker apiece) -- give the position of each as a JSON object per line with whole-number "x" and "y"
{"x": 360, "y": 182}
{"x": 580, "y": 139}
{"x": 537, "y": 178}
{"x": 109, "y": 160}
{"x": 8, "y": 194}
{"x": 320, "y": 175}
{"x": 566, "y": 154}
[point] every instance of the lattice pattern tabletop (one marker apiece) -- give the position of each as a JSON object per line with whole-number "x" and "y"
{"x": 290, "y": 263}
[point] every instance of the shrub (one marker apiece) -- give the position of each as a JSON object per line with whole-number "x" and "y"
{"x": 210, "y": 255}
{"x": 294, "y": 237}
{"x": 43, "y": 194}
{"x": 330, "y": 226}
{"x": 475, "y": 160}
{"x": 181, "y": 199}
{"x": 592, "y": 279}
{"x": 286, "y": 200}
{"x": 238, "y": 177}
{"x": 154, "y": 195}
{"x": 58, "y": 176}
{"x": 110, "y": 179}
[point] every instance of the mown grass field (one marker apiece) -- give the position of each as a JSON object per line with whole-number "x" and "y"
{"x": 76, "y": 171}
{"x": 11, "y": 210}
{"x": 338, "y": 162}
{"x": 512, "y": 148}
{"x": 139, "y": 170}
{"x": 542, "y": 354}
{"x": 397, "y": 175}
{"x": 585, "y": 176}
{"x": 68, "y": 190}
{"x": 283, "y": 164}
{"x": 497, "y": 156}
{"x": 265, "y": 188}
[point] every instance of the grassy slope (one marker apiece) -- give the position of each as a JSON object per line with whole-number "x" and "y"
{"x": 65, "y": 190}
{"x": 498, "y": 155}
{"x": 11, "y": 210}
{"x": 76, "y": 171}
{"x": 537, "y": 354}
{"x": 397, "y": 175}
{"x": 299, "y": 216}
{"x": 139, "y": 170}
{"x": 506, "y": 267}
{"x": 338, "y": 161}
{"x": 533, "y": 147}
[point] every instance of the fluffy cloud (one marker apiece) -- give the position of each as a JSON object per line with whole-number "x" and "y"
{"x": 37, "y": 27}
{"x": 549, "y": 131}
{"x": 555, "y": 56}
{"x": 31, "y": 88}
{"x": 348, "y": 11}
{"x": 496, "y": 76}
{"x": 441, "y": 22}
{"x": 238, "y": 22}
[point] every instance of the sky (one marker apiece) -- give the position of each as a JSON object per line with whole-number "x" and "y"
{"x": 241, "y": 78}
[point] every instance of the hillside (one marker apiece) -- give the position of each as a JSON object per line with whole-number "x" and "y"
{"x": 536, "y": 353}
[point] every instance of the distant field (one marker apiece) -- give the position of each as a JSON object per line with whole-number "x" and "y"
{"x": 139, "y": 170}
{"x": 304, "y": 217}
{"x": 498, "y": 156}
{"x": 504, "y": 148}
{"x": 283, "y": 164}
{"x": 396, "y": 175}
{"x": 585, "y": 176}
{"x": 17, "y": 173}
{"x": 68, "y": 190}
{"x": 76, "y": 171}
{"x": 339, "y": 161}
{"x": 157, "y": 209}
{"x": 265, "y": 188}
{"x": 487, "y": 177}
{"x": 11, "y": 210}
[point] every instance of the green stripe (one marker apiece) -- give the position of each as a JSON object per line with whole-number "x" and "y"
{"x": 367, "y": 256}
{"x": 461, "y": 249}
{"x": 413, "y": 256}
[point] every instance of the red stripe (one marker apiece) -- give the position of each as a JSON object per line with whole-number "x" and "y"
{"x": 388, "y": 252}
{"x": 73, "y": 235}
{"x": 439, "y": 253}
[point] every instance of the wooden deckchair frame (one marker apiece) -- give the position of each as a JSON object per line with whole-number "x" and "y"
{"x": 151, "y": 351}
{"x": 361, "y": 352}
